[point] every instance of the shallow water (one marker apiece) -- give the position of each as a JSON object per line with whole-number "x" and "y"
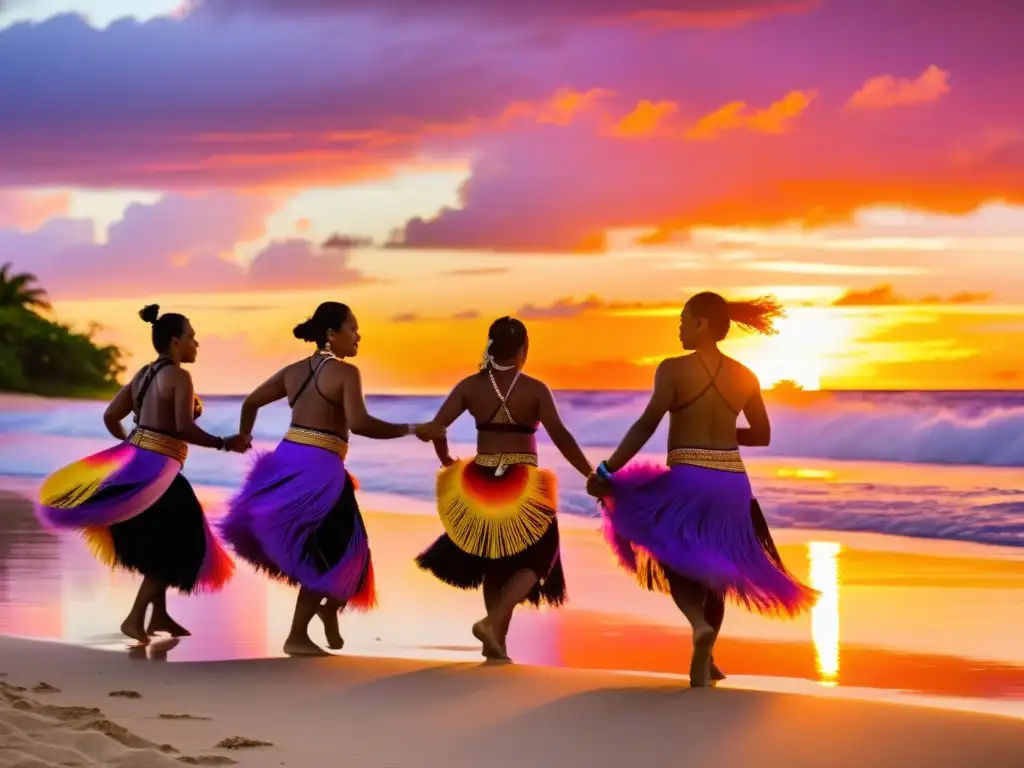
{"x": 936, "y": 619}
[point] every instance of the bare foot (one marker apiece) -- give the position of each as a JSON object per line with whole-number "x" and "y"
{"x": 700, "y": 662}
{"x": 303, "y": 646}
{"x": 329, "y": 617}
{"x": 133, "y": 627}
{"x": 716, "y": 673}
{"x": 492, "y": 648}
{"x": 166, "y": 624}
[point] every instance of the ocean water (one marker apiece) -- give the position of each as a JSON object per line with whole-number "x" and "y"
{"x": 937, "y": 465}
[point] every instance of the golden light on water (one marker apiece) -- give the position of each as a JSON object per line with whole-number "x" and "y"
{"x": 824, "y": 577}
{"x": 805, "y": 473}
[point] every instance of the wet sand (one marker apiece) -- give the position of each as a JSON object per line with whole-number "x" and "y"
{"x": 359, "y": 711}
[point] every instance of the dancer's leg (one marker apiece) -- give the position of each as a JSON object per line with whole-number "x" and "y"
{"x": 493, "y": 588}
{"x": 161, "y": 621}
{"x": 690, "y": 597}
{"x": 328, "y": 612}
{"x": 714, "y": 614}
{"x": 135, "y": 624}
{"x": 489, "y": 630}
{"x": 298, "y": 642}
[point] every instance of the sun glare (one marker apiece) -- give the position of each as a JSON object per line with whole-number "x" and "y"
{"x": 808, "y": 337}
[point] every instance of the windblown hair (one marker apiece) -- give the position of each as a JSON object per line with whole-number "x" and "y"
{"x": 756, "y": 315}
{"x": 329, "y": 316}
{"x": 505, "y": 338}
{"x": 166, "y": 328}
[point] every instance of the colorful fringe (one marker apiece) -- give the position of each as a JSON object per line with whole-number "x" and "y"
{"x": 136, "y": 512}
{"x": 696, "y": 522}
{"x": 296, "y": 519}
{"x": 495, "y": 516}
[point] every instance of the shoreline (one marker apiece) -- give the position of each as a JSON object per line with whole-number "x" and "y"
{"x": 411, "y": 713}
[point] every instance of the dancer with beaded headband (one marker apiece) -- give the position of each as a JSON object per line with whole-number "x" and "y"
{"x": 296, "y": 517}
{"x": 498, "y": 508}
{"x": 689, "y": 529}
{"x": 131, "y": 502}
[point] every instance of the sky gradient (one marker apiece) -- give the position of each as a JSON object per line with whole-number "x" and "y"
{"x": 439, "y": 163}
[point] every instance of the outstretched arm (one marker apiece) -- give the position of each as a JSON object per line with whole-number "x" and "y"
{"x": 359, "y": 419}
{"x": 560, "y": 435}
{"x": 644, "y": 427}
{"x": 116, "y": 412}
{"x": 759, "y": 433}
{"x": 450, "y": 410}
{"x": 269, "y": 391}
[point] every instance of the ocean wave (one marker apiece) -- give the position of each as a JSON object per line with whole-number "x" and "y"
{"x": 985, "y": 429}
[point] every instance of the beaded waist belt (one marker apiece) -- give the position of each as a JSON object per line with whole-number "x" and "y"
{"x": 315, "y": 439}
{"x": 724, "y": 461}
{"x": 157, "y": 442}
{"x": 504, "y": 460}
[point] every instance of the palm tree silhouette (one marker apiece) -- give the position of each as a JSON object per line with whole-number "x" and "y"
{"x": 21, "y": 290}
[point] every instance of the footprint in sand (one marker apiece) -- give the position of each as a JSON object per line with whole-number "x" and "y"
{"x": 240, "y": 742}
{"x": 125, "y": 694}
{"x": 208, "y": 760}
{"x": 174, "y": 716}
{"x": 45, "y": 688}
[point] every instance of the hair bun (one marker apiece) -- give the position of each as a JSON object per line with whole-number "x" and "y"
{"x": 150, "y": 313}
{"x": 304, "y": 331}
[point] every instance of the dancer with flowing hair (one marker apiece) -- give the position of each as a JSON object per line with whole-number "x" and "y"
{"x": 498, "y": 508}
{"x": 296, "y": 517}
{"x": 688, "y": 529}
{"x": 131, "y": 502}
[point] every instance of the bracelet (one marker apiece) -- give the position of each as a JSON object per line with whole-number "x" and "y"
{"x": 220, "y": 444}
{"x": 410, "y": 429}
{"x": 603, "y": 472}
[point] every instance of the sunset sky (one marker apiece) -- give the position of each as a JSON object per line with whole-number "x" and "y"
{"x": 583, "y": 164}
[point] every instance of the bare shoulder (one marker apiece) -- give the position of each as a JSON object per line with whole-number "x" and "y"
{"x": 535, "y": 385}
{"x": 675, "y": 367}
{"x": 175, "y": 374}
{"x": 341, "y": 369}
{"x": 743, "y": 372}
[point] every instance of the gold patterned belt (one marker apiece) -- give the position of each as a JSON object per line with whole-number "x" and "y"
{"x": 504, "y": 460}
{"x": 723, "y": 461}
{"x": 157, "y": 442}
{"x": 317, "y": 439}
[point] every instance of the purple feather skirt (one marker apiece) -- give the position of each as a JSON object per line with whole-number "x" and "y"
{"x": 696, "y": 522}
{"x": 296, "y": 519}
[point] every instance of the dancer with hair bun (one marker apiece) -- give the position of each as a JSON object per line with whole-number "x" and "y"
{"x": 498, "y": 508}
{"x": 296, "y": 517}
{"x": 693, "y": 529}
{"x": 131, "y": 502}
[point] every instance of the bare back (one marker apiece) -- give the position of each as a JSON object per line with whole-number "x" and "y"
{"x": 707, "y": 400}
{"x": 151, "y": 387}
{"x": 509, "y": 425}
{"x": 314, "y": 387}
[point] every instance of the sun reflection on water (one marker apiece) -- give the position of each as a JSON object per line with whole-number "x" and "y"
{"x": 824, "y": 576}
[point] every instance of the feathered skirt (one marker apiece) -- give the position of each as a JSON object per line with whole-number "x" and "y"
{"x": 694, "y": 518}
{"x": 296, "y": 519}
{"x": 137, "y": 511}
{"x": 499, "y": 516}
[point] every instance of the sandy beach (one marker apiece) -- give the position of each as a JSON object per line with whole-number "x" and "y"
{"x": 905, "y": 661}
{"x": 407, "y": 713}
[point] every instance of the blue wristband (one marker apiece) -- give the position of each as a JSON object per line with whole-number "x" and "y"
{"x": 603, "y": 472}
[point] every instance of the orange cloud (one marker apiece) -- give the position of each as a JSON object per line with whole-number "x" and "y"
{"x": 775, "y": 118}
{"x": 887, "y": 91}
{"x": 886, "y": 295}
{"x": 646, "y": 119}
{"x": 561, "y": 109}
{"x": 29, "y": 210}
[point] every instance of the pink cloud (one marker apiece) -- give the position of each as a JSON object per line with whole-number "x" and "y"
{"x": 29, "y": 210}
{"x": 689, "y": 13}
{"x": 179, "y": 244}
{"x": 777, "y": 117}
{"x": 887, "y": 91}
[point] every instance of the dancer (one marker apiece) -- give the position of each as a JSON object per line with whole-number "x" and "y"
{"x": 296, "y": 517}
{"x": 688, "y": 529}
{"x": 131, "y": 502}
{"x": 498, "y": 508}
